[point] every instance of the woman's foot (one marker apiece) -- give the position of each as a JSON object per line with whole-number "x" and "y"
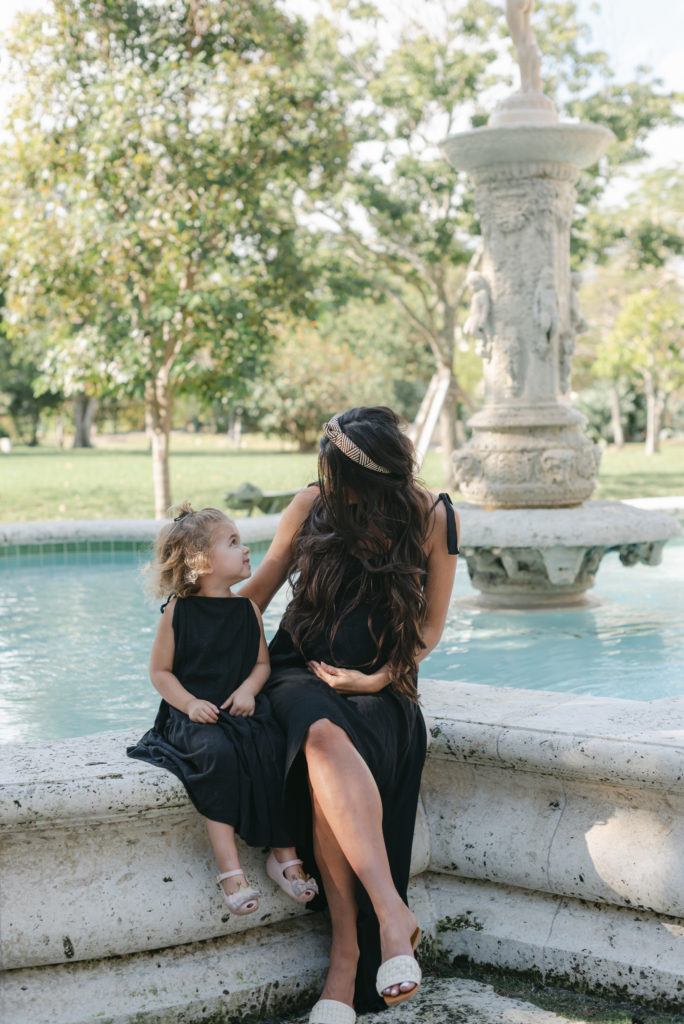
{"x": 341, "y": 979}
{"x": 398, "y": 936}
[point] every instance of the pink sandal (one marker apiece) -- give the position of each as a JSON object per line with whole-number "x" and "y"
{"x": 245, "y": 900}
{"x": 300, "y": 889}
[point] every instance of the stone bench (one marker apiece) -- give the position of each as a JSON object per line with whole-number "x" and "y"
{"x": 550, "y": 838}
{"x": 248, "y": 498}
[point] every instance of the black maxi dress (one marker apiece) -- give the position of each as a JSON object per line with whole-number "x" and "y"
{"x": 233, "y": 769}
{"x": 386, "y": 728}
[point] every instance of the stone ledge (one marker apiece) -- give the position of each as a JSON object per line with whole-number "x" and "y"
{"x": 628, "y": 742}
{"x": 252, "y": 530}
{"x": 608, "y": 950}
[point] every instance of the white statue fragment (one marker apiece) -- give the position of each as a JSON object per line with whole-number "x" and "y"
{"x": 478, "y": 324}
{"x": 518, "y": 13}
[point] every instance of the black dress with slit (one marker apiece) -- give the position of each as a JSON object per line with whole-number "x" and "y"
{"x": 233, "y": 769}
{"x": 387, "y": 729}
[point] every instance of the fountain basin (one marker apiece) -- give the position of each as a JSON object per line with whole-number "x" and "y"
{"x": 526, "y": 557}
{"x": 568, "y": 144}
{"x": 550, "y": 838}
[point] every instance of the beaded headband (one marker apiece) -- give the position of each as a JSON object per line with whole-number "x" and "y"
{"x": 334, "y": 433}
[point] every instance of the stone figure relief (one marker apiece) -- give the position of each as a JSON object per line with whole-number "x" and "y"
{"x": 514, "y": 366}
{"x": 577, "y": 321}
{"x": 545, "y": 312}
{"x": 518, "y": 14}
{"x": 576, "y": 325}
{"x": 467, "y": 467}
{"x": 556, "y": 464}
{"x": 587, "y": 461}
{"x": 479, "y": 322}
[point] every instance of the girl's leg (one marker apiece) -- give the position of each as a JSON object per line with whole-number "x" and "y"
{"x": 349, "y": 799}
{"x": 222, "y": 839}
{"x": 282, "y": 855}
{"x": 339, "y": 882}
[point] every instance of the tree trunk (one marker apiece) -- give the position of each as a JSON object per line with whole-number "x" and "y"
{"x": 85, "y": 408}
{"x": 447, "y": 431}
{"x": 615, "y": 416}
{"x": 158, "y": 408}
{"x": 652, "y": 418}
{"x": 416, "y": 428}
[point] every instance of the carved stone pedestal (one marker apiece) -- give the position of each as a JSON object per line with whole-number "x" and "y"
{"x": 527, "y": 448}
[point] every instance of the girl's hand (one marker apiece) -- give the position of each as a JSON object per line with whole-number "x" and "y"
{"x": 348, "y": 680}
{"x": 241, "y": 703}
{"x": 202, "y": 711}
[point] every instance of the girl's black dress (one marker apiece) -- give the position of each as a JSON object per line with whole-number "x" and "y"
{"x": 233, "y": 769}
{"x": 386, "y": 728}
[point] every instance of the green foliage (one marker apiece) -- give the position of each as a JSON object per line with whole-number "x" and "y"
{"x": 594, "y": 402}
{"x": 160, "y": 148}
{"x": 311, "y": 378}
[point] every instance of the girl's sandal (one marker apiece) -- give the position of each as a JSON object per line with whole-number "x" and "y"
{"x": 245, "y": 900}
{"x": 330, "y": 1011}
{"x": 300, "y": 889}
{"x": 399, "y": 970}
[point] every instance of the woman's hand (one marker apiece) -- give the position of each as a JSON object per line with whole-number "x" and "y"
{"x": 202, "y": 711}
{"x": 348, "y": 680}
{"x": 241, "y": 703}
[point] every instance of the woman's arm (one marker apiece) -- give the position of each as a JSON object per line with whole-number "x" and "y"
{"x": 166, "y": 683}
{"x": 439, "y": 583}
{"x": 272, "y": 572}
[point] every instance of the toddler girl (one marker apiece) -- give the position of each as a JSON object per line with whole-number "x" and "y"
{"x": 214, "y": 728}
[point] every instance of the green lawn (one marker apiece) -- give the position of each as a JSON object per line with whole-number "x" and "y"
{"x": 114, "y": 479}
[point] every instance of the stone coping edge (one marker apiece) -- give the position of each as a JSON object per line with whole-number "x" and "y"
{"x": 628, "y": 743}
{"x": 258, "y": 528}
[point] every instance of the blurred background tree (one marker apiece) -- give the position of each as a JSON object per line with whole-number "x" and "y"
{"x": 187, "y": 184}
{"x": 154, "y": 157}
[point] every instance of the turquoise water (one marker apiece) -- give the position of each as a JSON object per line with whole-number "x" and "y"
{"x": 76, "y": 629}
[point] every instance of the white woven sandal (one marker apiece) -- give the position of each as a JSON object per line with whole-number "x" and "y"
{"x": 398, "y": 971}
{"x": 300, "y": 889}
{"x": 245, "y": 900}
{"x": 330, "y": 1011}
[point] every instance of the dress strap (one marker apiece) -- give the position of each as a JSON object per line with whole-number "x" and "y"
{"x": 452, "y": 531}
{"x": 163, "y": 606}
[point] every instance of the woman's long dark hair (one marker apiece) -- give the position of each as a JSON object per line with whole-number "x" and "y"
{"x": 382, "y": 519}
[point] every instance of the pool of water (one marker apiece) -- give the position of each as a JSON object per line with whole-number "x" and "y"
{"x": 76, "y": 629}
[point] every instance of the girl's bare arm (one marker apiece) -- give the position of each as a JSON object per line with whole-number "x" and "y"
{"x": 166, "y": 683}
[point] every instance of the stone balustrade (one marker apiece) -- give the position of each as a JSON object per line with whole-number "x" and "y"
{"x": 550, "y": 838}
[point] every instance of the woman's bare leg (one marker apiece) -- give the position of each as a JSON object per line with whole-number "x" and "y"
{"x": 339, "y": 882}
{"x": 348, "y": 797}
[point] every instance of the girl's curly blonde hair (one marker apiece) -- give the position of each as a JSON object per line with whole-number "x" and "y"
{"x": 181, "y": 550}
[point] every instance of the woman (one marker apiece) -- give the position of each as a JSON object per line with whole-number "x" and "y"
{"x": 371, "y": 558}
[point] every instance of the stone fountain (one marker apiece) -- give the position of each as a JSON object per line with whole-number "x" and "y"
{"x": 532, "y": 536}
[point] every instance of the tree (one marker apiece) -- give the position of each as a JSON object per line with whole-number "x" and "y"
{"x": 635, "y": 251}
{"x": 648, "y": 341}
{"x": 406, "y": 217}
{"x": 160, "y": 148}
{"x": 310, "y": 379}
{"x": 18, "y": 398}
